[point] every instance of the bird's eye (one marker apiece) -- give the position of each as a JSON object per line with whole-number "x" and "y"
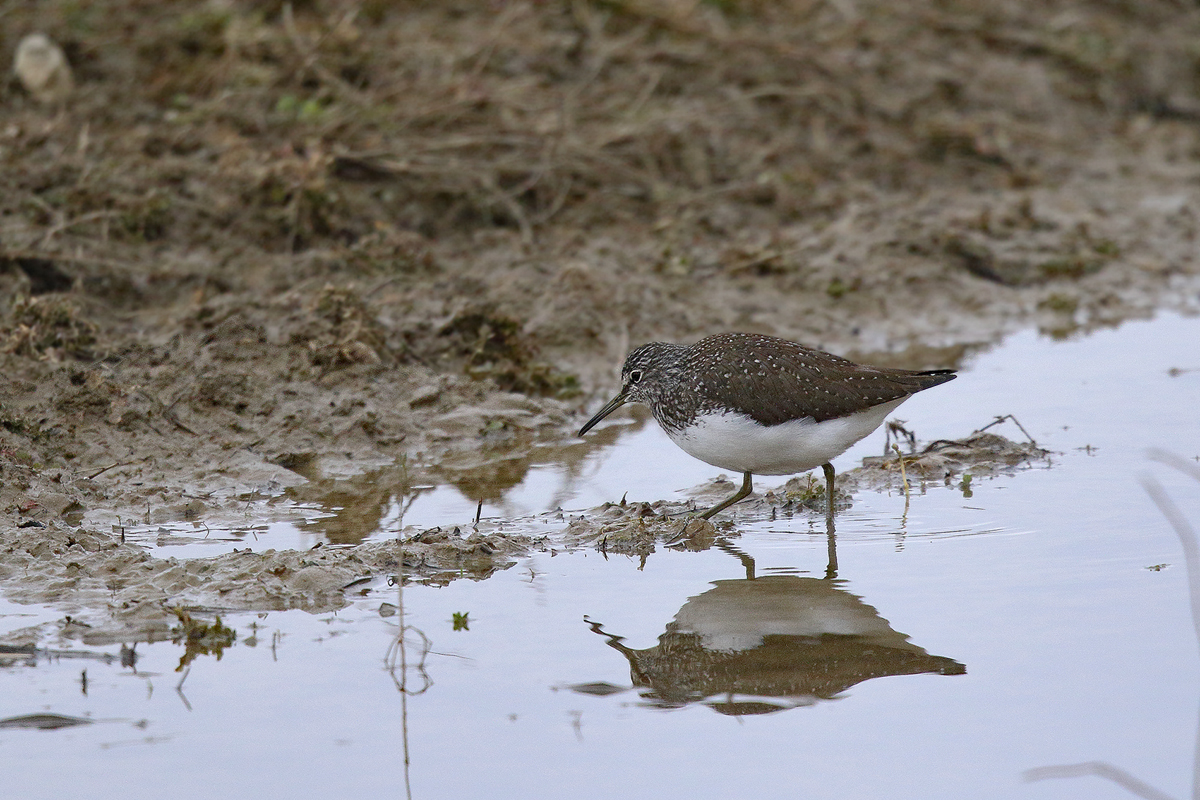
{"x": 635, "y": 376}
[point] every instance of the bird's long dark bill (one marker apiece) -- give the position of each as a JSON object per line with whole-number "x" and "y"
{"x": 609, "y": 407}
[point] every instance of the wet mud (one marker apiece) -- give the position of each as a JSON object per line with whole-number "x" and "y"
{"x": 283, "y": 259}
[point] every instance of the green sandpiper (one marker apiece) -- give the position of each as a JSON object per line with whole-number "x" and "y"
{"x": 762, "y": 405}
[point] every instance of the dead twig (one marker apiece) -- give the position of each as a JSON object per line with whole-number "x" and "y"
{"x": 82, "y": 219}
{"x": 103, "y": 470}
{"x": 1014, "y": 420}
{"x": 311, "y": 58}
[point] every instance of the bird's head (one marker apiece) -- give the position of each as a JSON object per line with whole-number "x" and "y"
{"x": 645, "y": 376}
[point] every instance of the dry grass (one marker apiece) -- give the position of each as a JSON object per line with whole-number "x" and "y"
{"x": 48, "y": 328}
{"x": 290, "y": 129}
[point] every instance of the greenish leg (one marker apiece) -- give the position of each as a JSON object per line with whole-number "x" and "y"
{"x": 831, "y": 570}
{"x": 741, "y": 494}
{"x": 828, "y": 469}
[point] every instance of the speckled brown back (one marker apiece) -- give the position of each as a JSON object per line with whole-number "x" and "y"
{"x": 774, "y": 380}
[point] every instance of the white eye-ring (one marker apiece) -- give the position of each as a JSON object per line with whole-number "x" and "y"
{"x": 635, "y": 376}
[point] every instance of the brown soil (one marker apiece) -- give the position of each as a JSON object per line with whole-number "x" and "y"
{"x": 264, "y": 245}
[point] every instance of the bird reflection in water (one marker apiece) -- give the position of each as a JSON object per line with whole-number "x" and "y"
{"x": 764, "y": 644}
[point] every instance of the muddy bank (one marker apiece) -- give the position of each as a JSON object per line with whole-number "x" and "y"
{"x": 111, "y": 590}
{"x": 114, "y": 591}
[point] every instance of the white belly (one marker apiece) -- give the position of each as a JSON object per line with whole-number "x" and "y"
{"x": 735, "y": 442}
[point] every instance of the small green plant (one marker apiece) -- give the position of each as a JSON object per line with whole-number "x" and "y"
{"x": 964, "y": 485}
{"x": 837, "y": 289}
{"x": 461, "y": 621}
{"x": 309, "y": 109}
{"x": 1060, "y": 303}
{"x": 200, "y": 638}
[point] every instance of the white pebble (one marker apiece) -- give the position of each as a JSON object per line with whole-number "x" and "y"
{"x": 43, "y": 70}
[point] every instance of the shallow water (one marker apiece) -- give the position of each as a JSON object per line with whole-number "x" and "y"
{"x": 1047, "y": 622}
